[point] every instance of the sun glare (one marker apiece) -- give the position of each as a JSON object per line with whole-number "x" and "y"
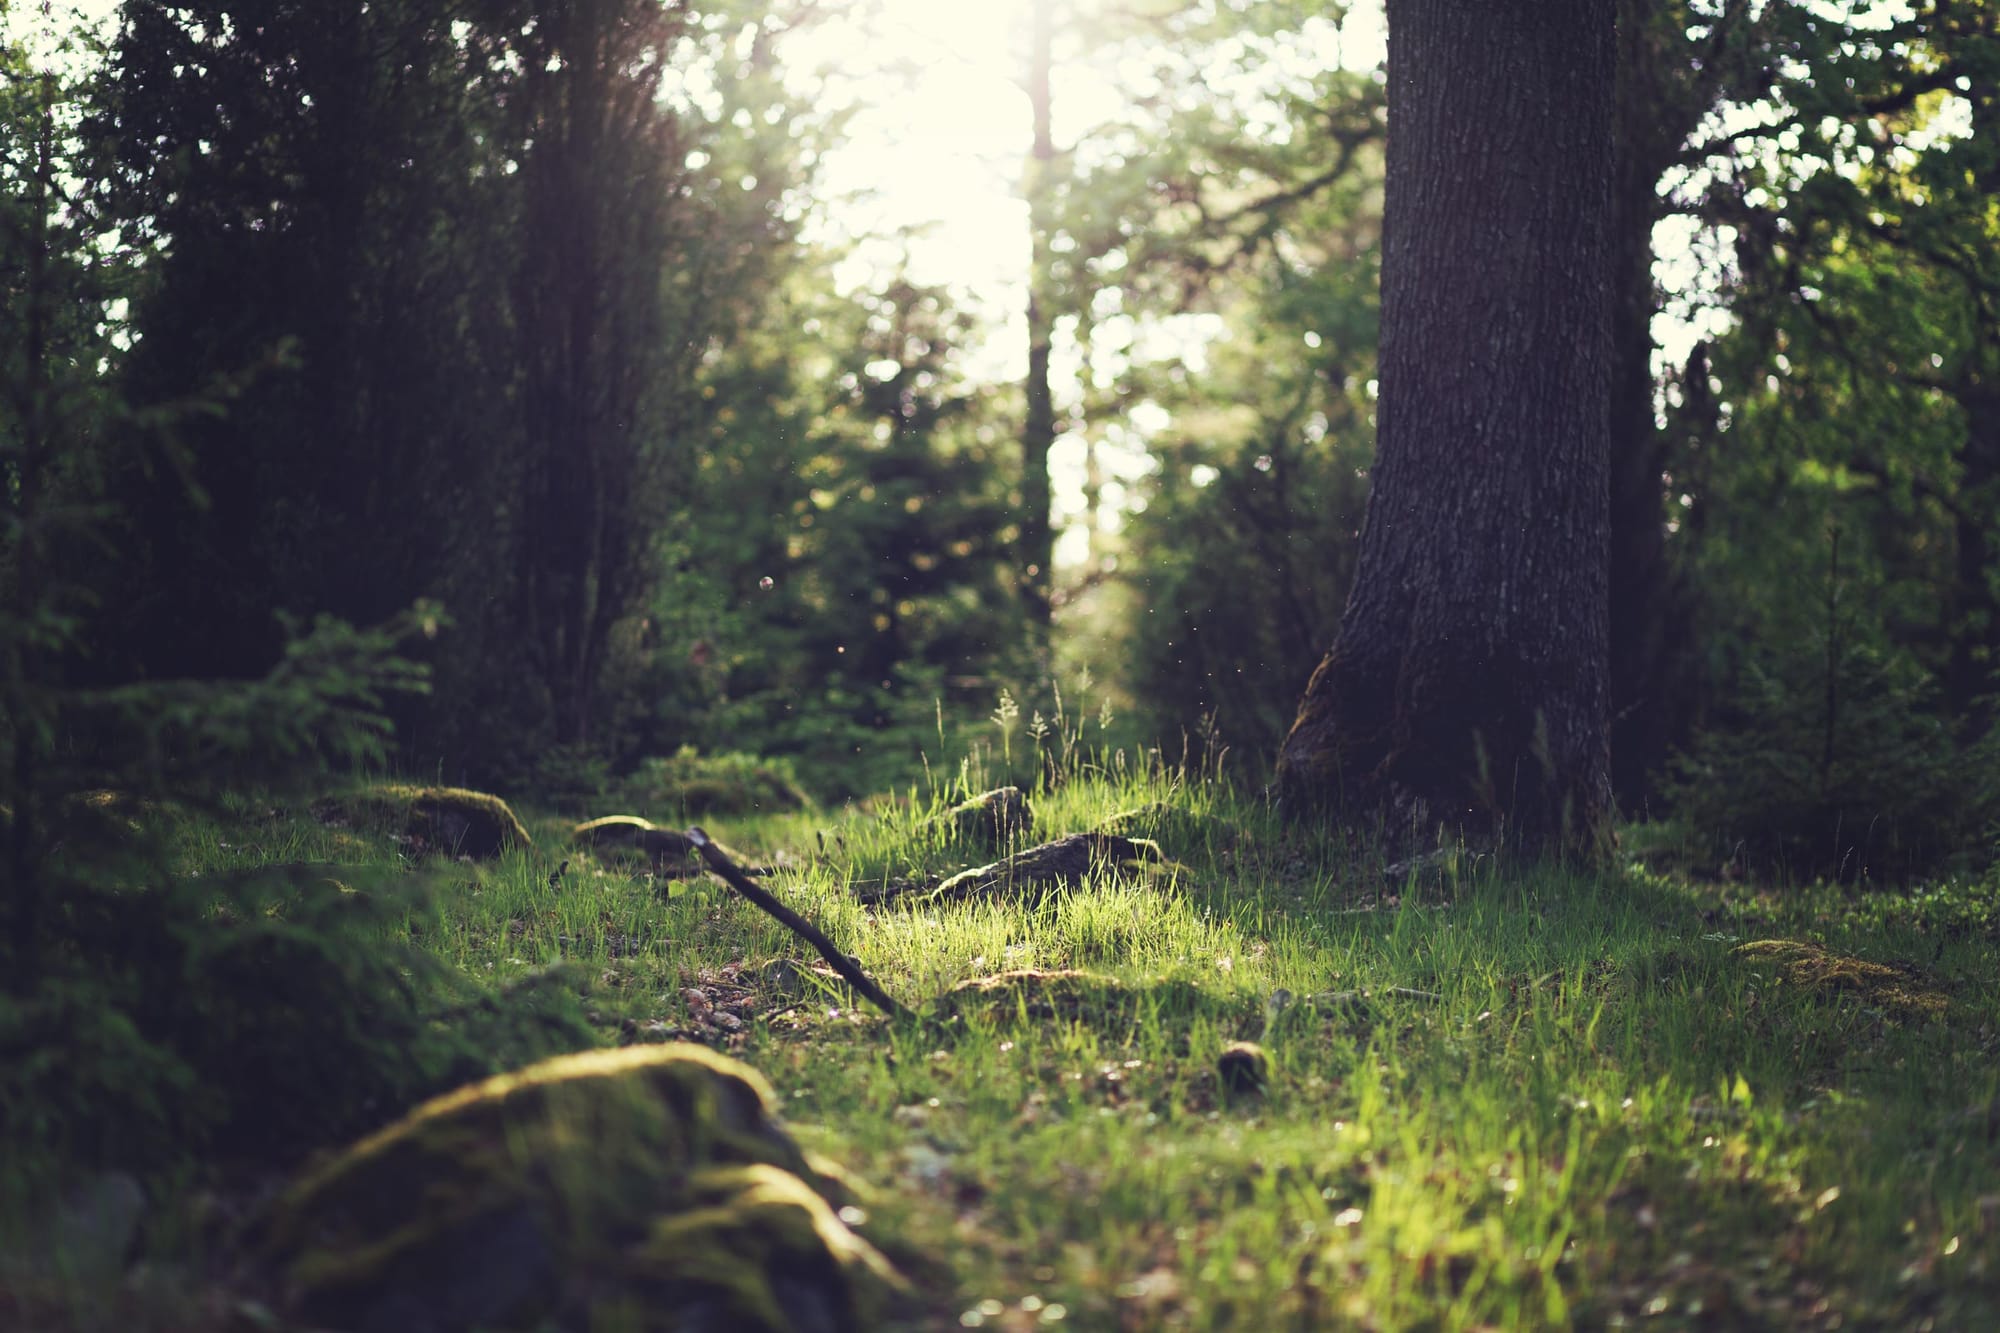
{"x": 928, "y": 184}
{"x": 929, "y": 174}
{"x": 929, "y": 179}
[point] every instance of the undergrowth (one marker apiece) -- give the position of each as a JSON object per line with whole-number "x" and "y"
{"x": 1493, "y": 1101}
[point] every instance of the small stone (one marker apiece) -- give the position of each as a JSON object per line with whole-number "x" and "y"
{"x": 1244, "y": 1069}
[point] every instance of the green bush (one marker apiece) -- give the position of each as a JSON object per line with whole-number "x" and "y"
{"x": 690, "y": 783}
{"x": 1873, "y": 785}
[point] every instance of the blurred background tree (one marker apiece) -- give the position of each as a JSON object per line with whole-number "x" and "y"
{"x": 585, "y": 319}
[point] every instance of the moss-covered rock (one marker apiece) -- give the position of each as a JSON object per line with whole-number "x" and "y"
{"x": 668, "y": 851}
{"x": 1813, "y": 968}
{"x": 991, "y": 820}
{"x": 650, "y": 1187}
{"x": 451, "y": 820}
{"x": 720, "y": 784}
{"x": 1064, "y": 863}
{"x": 1243, "y": 1069}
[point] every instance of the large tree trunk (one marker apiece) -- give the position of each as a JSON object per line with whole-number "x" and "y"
{"x": 1467, "y": 689}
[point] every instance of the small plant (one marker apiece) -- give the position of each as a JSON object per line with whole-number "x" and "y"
{"x": 1004, "y": 717}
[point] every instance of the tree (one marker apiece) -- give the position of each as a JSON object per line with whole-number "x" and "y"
{"x": 1467, "y": 688}
{"x": 1038, "y": 429}
{"x": 481, "y": 252}
{"x": 1674, "y": 68}
{"x": 602, "y": 342}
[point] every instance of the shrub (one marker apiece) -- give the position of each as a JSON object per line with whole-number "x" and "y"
{"x": 719, "y": 784}
{"x": 1871, "y": 785}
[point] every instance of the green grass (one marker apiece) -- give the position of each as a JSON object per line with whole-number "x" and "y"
{"x": 1597, "y": 1116}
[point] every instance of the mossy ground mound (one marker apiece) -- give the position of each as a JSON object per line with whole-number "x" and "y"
{"x": 667, "y": 850}
{"x": 1821, "y": 971}
{"x": 1064, "y": 863}
{"x": 991, "y": 820}
{"x": 451, "y": 820}
{"x": 646, "y": 1188}
{"x": 721, "y": 784}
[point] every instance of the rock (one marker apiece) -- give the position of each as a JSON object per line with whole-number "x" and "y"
{"x": 671, "y": 853}
{"x": 991, "y": 820}
{"x": 650, "y": 1187}
{"x": 1244, "y": 1069}
{"x": 96, "y": 1224}
{"x": 668, "y": 851}
{"x": 1066, "y": 862}
{"x": 451, "y": 820}
{"x": 717, "y": 784}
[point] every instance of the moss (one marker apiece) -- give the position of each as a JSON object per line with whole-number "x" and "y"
{"x": 1820, "y": 970}
{"x": 723, "y": 784}
{"x": 544, "y": 1191}
{"x": 994, "y": 819}
{"x": 755, "y": 1250}
{"x": 451, "y": 820}
{"x": 629, "y": 834}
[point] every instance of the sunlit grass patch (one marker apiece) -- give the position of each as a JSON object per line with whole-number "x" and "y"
{"x": 1519, "y": 1100}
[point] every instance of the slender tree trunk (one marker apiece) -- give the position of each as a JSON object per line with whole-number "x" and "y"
{"x": 35, "y": 408}
{"x": 1662, "y": 95}
{"x": 1638, "y": 586}
{"x": 1467, "y": 690}
{"x": 1973, "y": 610}
{"x": 1038, "y": 431}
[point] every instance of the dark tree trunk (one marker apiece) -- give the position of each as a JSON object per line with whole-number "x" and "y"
{"x": 1639, "y": 587}
{"x": 1973, "y": 613}
{"x": 1038, "y": 431}
{"x": 1664, "y": 90}
{"x": 594, "y": 343}
{"x": 1467, "y": 689}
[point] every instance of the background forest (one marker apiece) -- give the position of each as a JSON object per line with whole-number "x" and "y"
{"x": 543, "y": 318}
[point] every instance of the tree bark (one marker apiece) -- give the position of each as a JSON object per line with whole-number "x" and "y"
{"x": 1038, "y": 430}
{"x": 1467, "y": 690}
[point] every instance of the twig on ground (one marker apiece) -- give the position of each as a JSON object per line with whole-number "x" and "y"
{"x": 727, "y": 871}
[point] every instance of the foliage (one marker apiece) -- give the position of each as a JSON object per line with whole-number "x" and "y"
{"x": 1836, "y": 435}
{"x": 498, "y": 245}
{"x": 151, "y": 1021}
{"x": 689, "y": 783}
{"x": 1853, "y": 777}
{"x": 1244, "y": 226}
{"x": 877, "y": 592}
{"x": 1239, "y": 565}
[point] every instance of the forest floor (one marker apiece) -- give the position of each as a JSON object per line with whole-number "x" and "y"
{"x": 1493, "y": 1101}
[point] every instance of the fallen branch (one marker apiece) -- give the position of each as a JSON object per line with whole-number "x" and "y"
{"x": 727, "y": 871}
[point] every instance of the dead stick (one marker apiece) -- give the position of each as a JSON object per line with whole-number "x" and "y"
{"x": 727, "y": 871}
